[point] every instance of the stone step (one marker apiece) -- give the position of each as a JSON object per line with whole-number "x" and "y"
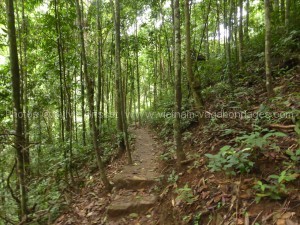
{"x": 126, "y": 204}
{"x": 134, "y": 182}
{"x": 136, "y": 177}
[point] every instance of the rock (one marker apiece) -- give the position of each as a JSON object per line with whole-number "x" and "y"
{"x": 133, "y": 182}
{"x": 124, "y": 204}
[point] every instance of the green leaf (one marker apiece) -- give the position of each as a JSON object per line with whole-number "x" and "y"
{"x": 210, "y": 156}
{"x": 274, "y": 176}
{"x": 225, "y": 148}
{"x": 277, "y": 134}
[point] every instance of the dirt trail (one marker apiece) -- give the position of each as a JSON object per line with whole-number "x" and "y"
{"x": 133, "y": 196}
{"x": 135, "y": 182}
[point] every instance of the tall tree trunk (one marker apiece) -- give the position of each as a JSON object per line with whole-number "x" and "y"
{"x": 228, "y": 49}
{"x": 218, "y": 27}
{"x": 120, "y": 96}
{"x": 137, "y": 71}
{"x": 269, "y": 84}
{"x": 58, "y": 40}
{"x": 246, "y": 32}
{"x": 82, "y": 102}
{"x": 24, "y": 75}
{"x": 225, "y": 28}
{"x": 241, "y": 41}
{"x": 178, "y": 95}
{"x": 16, "y": 82}
{"x": 99, "y": 65}
{"x": 155, "y": 67}
{"x": 235, "y": 31}
{"x": 205, "y": 29}
{"x": 194, "y": 85}
{"x": 118, "y": 79}
{"x": 90, "y": 97}
{"x": 276, "y": 6}
{"x": 282, "y": 10}
{"x": 287, "y": 14}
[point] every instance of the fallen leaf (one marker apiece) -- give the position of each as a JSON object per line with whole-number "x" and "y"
{"x": 173, "y": 202}
{"x": 205, "y": 194}
{"x": 209, "y": 202}
{"x": 90, "y": 214}
{"x": 290, "y": 222}
{"x": 287, "y": 215}
{"x": 280, "y": 222}
{"x": 217, "y": 198}
{"x": 133, "y": 215}
{"x": 240, "y": 221}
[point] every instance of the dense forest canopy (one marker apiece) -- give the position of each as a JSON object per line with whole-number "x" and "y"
{"x": 75, "y": 75}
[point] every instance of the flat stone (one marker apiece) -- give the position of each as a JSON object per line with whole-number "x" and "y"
{"x": 124, "y": 204}
{"x": 134, "y": 182}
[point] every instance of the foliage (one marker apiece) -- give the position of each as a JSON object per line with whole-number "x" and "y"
{"x": 255, "y": 140}
{"x": 173, "y": 177}
{"x": 275, "y": 188}
{"x": 230, "y": 160}
{"x": 168, "y": 155}
{"x": 294, "y": 158}
{"x": 186, "y": 195}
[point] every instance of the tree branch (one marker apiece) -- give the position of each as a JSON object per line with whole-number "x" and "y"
{"x": 281, "y": 126}
{"x": 8, "y": 184}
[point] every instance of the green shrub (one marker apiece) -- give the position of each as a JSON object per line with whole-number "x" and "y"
{"x": 230, "y": 160}
{"x": 186, "y": 195}
{"x": 275, "y": 188}
{"x": 256, "y": 140}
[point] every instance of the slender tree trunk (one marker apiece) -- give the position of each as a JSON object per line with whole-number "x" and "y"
{"x": 225, "y": 28}
{"x": 82, "y": 102}
{"x": 269, "y": 84}
{"x": 229, "y": 27}
{"x": 75, "y": 105}
{"x": 118, "y": 79}
{"x": 195, "y": 87}
{"x": 155, "y": 65}
{"x": 16, "y": 84}
{"x": 205, "y": 29}
{"x": 137, "y": 72}
{"x": 25, "y": 91}
{"x": 57, "y": 27}
{"x": 241, "y": 35}
{"x": 160, "y": 67}
{"x": 247, "y": 20}
{"x": 178, "y": 95}
{"x": 90, "y": 97}
{"x": 119, "y": 90}
{"x": 276, "y": 6}
{"x": 235, "y": 31}
{"x": 287, "y": 14}
{"x": 282, "y": 10}
{"x": 219, "y": 28}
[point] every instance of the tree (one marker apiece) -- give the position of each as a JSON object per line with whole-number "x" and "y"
{"x": 19, "y": 116}
{"x": 269, "y": 84}
{"x": 241, "y": 35}
{"x": 120, "y": 99}
{"x": 178, "y": 95}
{"x": 90, "y": 97}
{"x": 195, "y": 87}
{"x": 287, "y": 14}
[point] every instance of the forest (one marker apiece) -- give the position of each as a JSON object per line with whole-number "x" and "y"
{"x": 150, "y": 112}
